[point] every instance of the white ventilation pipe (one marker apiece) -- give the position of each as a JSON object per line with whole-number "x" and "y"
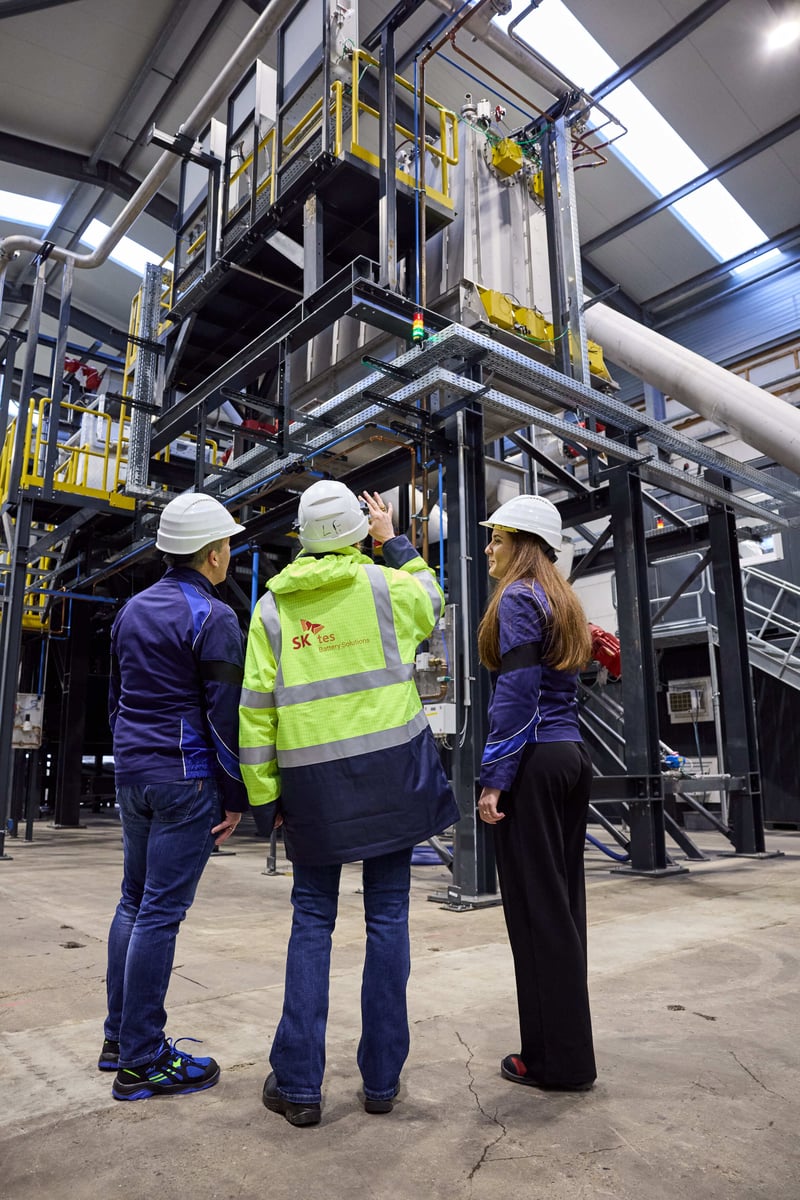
{"x": 760, "y": 419}
{"x": 194, "y": 124}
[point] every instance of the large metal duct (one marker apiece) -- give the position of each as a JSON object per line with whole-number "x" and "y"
{"x": 760, "y": 419}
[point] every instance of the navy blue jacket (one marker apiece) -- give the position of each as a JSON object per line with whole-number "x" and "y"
{"x": 531, "y": 702}
{"x": 177, "y": 656}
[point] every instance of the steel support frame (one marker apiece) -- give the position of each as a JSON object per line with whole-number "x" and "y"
{"x": 387, "y": 193}
{"x": 660, "y": 46}
{"x": 642, "y": 751}
{"x": 745, "y": 816}
{"x": 566, "y": 283}
{"x": 57, "y": 384}
{"x": 72, "y": 719}
{"x": 313, "y": 245}
{"x": 147, "y": 383}
{"x": 474, "y": 882}
{"x": 11, "y": 644}
{"x": 19, "y": 552}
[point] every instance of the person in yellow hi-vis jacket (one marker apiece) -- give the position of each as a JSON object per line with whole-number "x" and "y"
{"x": 334, "y": 744}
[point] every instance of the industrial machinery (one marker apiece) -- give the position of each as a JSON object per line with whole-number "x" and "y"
{"x": 343, "y": 302}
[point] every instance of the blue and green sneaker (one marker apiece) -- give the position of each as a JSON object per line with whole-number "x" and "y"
{"x": 172, "y": 1073}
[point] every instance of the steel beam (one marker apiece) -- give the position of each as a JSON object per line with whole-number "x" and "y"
{"x": 19, "y": 8}
{"x": 474, "y": 879}
{"x": 387, "y": 185}
{"x": 72, "y": 724}
{"x": 746, "y": 818}
{"x": 98, "y": 330}
{"x": 660, "y": 46}
{"x": 554, "y": 469}
{"x": 54, "y": 160}
{"x": 675, "y": 294}
{"x": 727, "y": 164}
{"x": 600, "y": 283}
{"x": 10, "y": 647}
{"x": 57, "y": 381}
{"x": 642, "y": 749}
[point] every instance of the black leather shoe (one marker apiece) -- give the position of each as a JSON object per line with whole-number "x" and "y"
{"x": 512, "y": 1067}
{"x": 296, "y": 1114}
{"x": 379, "y": 1106}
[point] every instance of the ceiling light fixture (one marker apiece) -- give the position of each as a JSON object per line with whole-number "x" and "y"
{"x": 783, "y": 35}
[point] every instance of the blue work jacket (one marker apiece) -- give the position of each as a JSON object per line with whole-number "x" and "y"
{"x": 177, "y": 656}
{"x": 531, "y": 702}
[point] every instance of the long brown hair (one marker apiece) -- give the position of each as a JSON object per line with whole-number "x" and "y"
{"x": 568, "y": 643}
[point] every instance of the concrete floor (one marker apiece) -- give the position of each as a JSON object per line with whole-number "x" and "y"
{"x": 695, "y": 998}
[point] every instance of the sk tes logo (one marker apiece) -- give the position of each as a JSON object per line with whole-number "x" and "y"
{"x": 310, "y": 630}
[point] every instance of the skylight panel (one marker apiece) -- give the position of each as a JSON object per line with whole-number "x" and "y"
{"x": 127, "y": 252}
{"x": 652, "y": 149}
{"x": 40, "y": 214}
{"x": 25, "y": 210}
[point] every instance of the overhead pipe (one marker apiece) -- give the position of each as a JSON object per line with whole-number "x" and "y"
{"x": 760, "y": 419}
{"x": 517, "y": 53}
{"x": 194, "y": 124}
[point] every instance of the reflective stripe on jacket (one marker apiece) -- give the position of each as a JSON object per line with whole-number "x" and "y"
{"x": 330, "y": 718}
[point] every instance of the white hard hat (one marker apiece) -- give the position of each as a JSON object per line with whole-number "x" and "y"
{"x": 330, "y": 517}
{"x": 529, "y": 514}
{"x": 191, "y": 521}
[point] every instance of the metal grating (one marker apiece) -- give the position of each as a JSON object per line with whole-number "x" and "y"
{"x": 437, "y": 365}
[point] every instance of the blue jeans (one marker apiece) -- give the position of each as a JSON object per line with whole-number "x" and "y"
{"x": 298, "y": 1051}
{"x": 166, "y": 831}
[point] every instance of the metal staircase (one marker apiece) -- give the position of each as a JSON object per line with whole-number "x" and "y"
{"x": 776, "y": 605}
{"x": 772, "y": 608}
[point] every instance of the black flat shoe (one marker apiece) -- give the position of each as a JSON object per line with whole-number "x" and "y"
{"x": 512, "y": 1067}
{"x": 379, "y": 1106}
{"x": 296, "y": 1114}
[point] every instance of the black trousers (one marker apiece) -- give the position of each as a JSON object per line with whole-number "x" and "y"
{"x": 539, "y": 850}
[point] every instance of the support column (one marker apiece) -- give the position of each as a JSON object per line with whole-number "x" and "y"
{"x": 387, "y": 187}
{"x": 566, "y": 281}
{"x": 57, "y": 381}
{"x": 474, "y": 878}
{"x": 313, "y": 251}
{"x": 746, "y": 818}
{"x": 148, "y": 383}
{"x": 642, "y": 751}
{"x": 73, "y": 719}
{"x": 11, "y": 634}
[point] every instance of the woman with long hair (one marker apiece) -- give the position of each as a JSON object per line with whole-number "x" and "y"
{"x": 535, "y": 778}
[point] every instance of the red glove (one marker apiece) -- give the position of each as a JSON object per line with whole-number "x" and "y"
{"x": 605, "y": 650}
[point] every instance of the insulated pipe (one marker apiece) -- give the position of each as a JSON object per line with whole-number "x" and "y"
{"x": 275, "y": 12}
{"x": 764, "y": 421}
{"x": 512, "y": 50}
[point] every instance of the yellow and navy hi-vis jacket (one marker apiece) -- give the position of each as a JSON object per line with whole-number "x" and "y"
{"x": 330, "y": 720}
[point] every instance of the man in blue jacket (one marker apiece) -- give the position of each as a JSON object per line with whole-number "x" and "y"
{"x": 177, "y": 654}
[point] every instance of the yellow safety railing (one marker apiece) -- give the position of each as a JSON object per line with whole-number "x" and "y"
{"x": 35, "y": 601}
{"x": 84, "y": 467}
{"x": 445, "y": 154}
